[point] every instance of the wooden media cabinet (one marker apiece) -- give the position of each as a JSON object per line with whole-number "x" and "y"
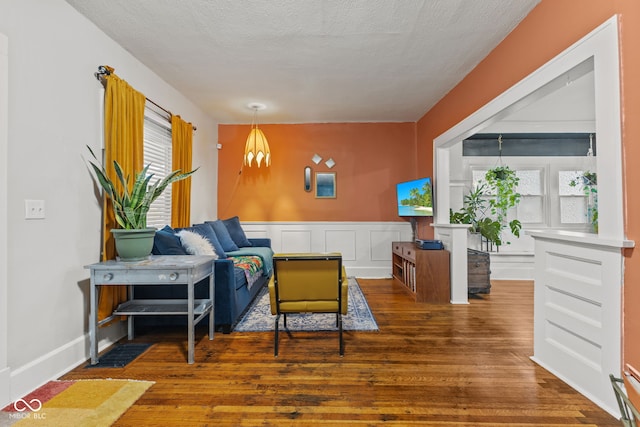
{"x": 423, "y": 272}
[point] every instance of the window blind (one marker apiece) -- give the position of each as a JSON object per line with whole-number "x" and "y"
{"x": 157, "y": 154}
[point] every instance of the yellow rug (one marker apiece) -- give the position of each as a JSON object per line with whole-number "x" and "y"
{"x": 82, "y": 403}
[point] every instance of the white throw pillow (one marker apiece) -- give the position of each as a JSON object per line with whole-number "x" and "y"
{"x": 195, "y": 244}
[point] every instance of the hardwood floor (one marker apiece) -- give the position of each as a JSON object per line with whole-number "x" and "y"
{"x": 429, "y": 365}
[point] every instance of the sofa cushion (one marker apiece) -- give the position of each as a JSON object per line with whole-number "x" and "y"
{"x": 166, "y": 242}
{"x": 206, "y": 231}
{"x": 223, "y": 235}
{"x": 236, "y": 232}
{"x": 195, "y": 244}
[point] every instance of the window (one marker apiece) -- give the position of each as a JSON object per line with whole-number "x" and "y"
{"x": 573, "y": 201}
{"x": 157, "y": 154}
{"x": 530, "y": 210}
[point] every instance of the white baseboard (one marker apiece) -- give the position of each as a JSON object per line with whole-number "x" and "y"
{"x": 57, "y": 362}
{"x": 369, "y": 272}
{"x": 5, "y": 389}
{"x": 614, "y": 411}
{"x": 512, "y": 266}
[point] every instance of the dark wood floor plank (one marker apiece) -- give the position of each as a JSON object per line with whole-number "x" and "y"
{"x": 439, "y": 365}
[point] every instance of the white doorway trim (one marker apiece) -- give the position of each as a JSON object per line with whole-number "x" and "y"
{"x": 599, "y": 48}
{"x": 4, "y": 187}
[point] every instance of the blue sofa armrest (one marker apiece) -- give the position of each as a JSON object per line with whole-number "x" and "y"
{"x": 224, "y": 277}
{"x": 264, "y": 242}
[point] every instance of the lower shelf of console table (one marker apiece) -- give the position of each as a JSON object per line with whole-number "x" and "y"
{"x": 141, "y": 307}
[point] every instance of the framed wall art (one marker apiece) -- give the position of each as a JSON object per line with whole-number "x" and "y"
{"x": 325, "y": 185}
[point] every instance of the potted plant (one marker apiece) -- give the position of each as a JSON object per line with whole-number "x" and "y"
{"x": 485, "y": 207}
{"x": 502, "y": 183}
{"x": 589, "y": 182}
{"x": 131, "y": 203}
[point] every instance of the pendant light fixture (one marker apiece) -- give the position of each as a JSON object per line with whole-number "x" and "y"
{"x": 257, "y": 147}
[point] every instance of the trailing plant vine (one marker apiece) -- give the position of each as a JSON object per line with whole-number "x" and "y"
{"x": 589, "y": 182}
{"x": 503, "y": 183}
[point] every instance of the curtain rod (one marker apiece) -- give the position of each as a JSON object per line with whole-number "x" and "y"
{"x": 103, "y": 71}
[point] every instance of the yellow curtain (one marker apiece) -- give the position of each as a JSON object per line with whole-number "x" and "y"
{"x": 181, "y": 143}
{"x": 124, "y": 142}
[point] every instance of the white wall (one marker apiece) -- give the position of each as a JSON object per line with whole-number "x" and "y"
{"x": 53, "y": 111}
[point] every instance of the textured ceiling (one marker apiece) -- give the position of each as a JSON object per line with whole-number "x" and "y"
{"x": 309, "y": 60}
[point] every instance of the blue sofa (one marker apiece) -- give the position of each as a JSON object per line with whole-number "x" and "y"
{"x": 233, "y": 293}
{"x": 235, "y": 286}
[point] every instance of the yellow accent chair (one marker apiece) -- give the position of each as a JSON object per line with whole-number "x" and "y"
{"x": 308, "y": 283}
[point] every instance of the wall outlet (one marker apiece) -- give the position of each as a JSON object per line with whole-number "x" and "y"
{"x": 34, "y": 209}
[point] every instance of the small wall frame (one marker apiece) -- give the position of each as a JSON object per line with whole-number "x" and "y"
{"x": 325, "y": 184}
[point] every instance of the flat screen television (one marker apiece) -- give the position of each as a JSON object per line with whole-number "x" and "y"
{"x": 415, "y": 198}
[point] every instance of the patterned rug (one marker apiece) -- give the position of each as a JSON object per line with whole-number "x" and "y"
{"x": 258, "y": 317}
{"x": 94, "y": 403}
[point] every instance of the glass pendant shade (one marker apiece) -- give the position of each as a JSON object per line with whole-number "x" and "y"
{"x": 257, "y": 148}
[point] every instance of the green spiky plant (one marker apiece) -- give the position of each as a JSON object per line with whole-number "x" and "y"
{"x": 479, "y": 211}
{"x": 130, "y": 207}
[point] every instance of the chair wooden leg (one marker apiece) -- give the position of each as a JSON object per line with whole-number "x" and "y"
{"x": 275, "y": 337}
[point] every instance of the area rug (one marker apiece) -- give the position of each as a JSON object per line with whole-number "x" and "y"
{"x": 258, "y": 317}
{"x": 93, "y": 403}
{"x": 120, "y": 355}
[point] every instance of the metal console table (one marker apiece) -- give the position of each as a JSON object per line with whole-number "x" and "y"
{"x": 156, "y": 270}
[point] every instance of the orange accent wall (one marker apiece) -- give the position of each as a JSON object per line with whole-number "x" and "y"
{"x": 370, "y": 159}
{"x": 549, "y": 29}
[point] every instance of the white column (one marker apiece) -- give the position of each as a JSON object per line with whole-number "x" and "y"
{"x": 454, "y": 238}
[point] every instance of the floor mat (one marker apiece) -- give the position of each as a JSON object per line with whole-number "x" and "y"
{"x": 94, "y": 403}
{"x": 120, "y": 356}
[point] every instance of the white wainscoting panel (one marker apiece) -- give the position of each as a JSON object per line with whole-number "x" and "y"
{"x": 577, "y": 316}
{"x": 365, "y": 246}
{"x": 343, "y": 241}
{"x": 295, "y": 241}
{"x": 379, "y": 246}
{"x": 512, "y": 265}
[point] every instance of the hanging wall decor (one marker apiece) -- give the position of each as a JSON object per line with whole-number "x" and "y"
{"x": 307, "y": 179}
{"x": 325, "y": 185}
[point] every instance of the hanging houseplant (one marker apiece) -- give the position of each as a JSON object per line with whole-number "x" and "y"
{"x": 502, "y": 184}
{"x": 131, "y": 203}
